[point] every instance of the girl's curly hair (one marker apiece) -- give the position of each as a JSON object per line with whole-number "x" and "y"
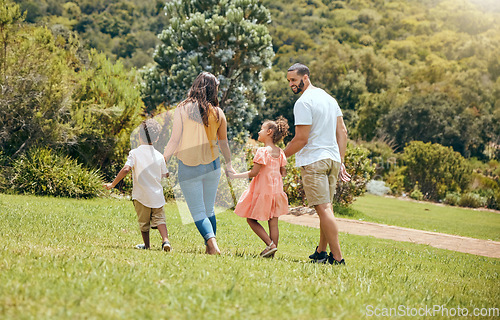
{"x": 279, "y": 127}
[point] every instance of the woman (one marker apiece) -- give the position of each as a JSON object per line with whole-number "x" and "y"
{"x": 199, "y": 128}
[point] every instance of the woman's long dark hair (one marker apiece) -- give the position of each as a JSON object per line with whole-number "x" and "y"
{"x": 203, "y": 93}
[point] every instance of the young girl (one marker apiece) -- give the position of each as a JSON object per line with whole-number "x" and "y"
{"x": 265, "y": 199}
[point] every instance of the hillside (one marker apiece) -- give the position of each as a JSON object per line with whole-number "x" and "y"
{"x": 125, "y": 30}
{"x": 401, "y": 70}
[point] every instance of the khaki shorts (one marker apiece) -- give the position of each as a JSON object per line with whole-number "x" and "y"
{"x": 319, "y": 180}
{"x": 149, "y": 217}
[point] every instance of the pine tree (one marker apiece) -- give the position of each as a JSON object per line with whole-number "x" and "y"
{"x": 227, "y": 38}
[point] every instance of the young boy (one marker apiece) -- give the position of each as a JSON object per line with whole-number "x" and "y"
{"x": 148, "y": 168}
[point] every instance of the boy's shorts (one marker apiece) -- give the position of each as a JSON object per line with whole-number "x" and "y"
{"x": 319, "y": 180}
{"x": 149, "y": 217}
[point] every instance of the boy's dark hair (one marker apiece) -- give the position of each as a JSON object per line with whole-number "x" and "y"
{"x": 279, "y": 127}
{"x": 149, "y": 131}
{"x": 300, "y": 68}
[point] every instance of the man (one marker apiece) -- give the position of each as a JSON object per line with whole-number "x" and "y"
{"x": 319, "y": 143}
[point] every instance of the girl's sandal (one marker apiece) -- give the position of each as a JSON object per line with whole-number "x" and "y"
{"x": 269, "y": 251}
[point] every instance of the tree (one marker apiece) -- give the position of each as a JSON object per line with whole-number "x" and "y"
{"x": 107, "y": 107}
{"x": 227, "y": 38}
{"x": 9, "y": 16}
{"x": 429, "y": 118}
{"x": 51, "y": 98}
{"x": 35, "y": 87}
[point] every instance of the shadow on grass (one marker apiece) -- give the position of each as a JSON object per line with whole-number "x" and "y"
{"x": 238, "y": 253}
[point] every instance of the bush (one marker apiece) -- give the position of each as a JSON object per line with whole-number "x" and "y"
{"x": 437, "y": 169}
{"x": 44, "y": 172}
{"x": 491, "y": 196}
{"x": 361, "y": 169}
{"x": 377, "y": 187}
{"x": 493, "y": 201}
{"x": 396, "y": 181}
{"x": 3, "y": 172}
{"x": 452, "y": 198}
{"x": 486, "y": 184}
{"x": 416, "y": 194}
{"x": 472, "y": 200}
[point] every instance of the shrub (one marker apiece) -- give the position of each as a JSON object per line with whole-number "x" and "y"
{"x": 4, "y": 172}
{"x": 44, "y": 172}
{"x": 486, "y": 183}
{"x": 472, "y": 200}
{"x": 493, "y": 201}
{"x": 396, "y": 181}
{"x": 491, "y": 196}
{"x": 437, "y": 169}
{"x": 452, "y": 198}
{"x": 361, "y": 169}
{"x": 416, "y": 194}
{"x": 377, "y": 187}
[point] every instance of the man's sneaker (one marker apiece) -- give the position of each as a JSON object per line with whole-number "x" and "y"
{"x": 315, "y": 254}
{"x": 165, "y": 246}
{"x": 319, "y": 257}
{"x": 331, "y": 260}
{"x": 141, "y": 246}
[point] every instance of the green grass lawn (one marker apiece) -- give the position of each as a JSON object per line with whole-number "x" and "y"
{"x": 74, "y": 259}
{"x": 427, "y": 216}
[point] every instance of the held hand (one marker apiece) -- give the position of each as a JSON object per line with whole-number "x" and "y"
{"x": 343, "y": 175}
{"x": 108, "y": 186}
{"x": 229, "y": 169}
{"x": 229, "y": 174}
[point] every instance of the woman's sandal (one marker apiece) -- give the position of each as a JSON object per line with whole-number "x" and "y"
{"x": 268, "y": 251}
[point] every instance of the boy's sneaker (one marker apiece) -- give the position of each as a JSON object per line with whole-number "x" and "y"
{"x": 319, "y": 257}
{"x": 141, "y": 246}
{"x": 331, "y": 260}
{"x": 165, "y": 246}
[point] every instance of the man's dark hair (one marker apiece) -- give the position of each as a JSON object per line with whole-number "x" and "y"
{"x": 300, "y": 68}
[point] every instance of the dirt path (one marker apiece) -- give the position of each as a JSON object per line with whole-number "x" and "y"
{"x": 479, "y": 247}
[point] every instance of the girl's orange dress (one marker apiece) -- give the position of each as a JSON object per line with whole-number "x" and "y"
{"x": 264, "y": 199}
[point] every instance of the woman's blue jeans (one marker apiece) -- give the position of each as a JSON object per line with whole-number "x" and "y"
{"x": 199, "y": 187}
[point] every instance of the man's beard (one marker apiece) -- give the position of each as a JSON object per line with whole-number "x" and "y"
{"x": 299, "y": 87}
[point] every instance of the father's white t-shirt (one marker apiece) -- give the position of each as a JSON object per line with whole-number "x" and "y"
{"x": 319, "y": 110}
{"x": 148, "y": 166}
